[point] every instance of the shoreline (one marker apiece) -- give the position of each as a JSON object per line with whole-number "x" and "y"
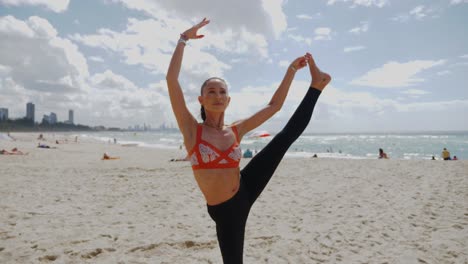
{"x": 52, "y": 136}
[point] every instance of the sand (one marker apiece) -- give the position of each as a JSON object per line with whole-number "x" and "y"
{"x": 66, "y": 205}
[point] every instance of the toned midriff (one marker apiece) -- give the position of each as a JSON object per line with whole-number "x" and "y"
{"x": 218, "y": 185}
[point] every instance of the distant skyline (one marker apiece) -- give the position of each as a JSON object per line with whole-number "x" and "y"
{"x": 30, "y": 113}
{"x": 396, "y": 65}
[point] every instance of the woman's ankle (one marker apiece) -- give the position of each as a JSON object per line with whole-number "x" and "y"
{"x": 321, "y": 84}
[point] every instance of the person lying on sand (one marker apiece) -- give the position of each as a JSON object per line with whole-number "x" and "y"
{"x": 107, "y": 157}
{"x": 14, "y": 151}
{"x": 180, "y": 159}
{"x": 39, "y": 145}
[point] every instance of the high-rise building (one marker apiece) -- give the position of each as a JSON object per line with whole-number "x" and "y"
{"x": 70, "y": 116}
{"x": 30, "y": 111}
{"x": 53, "y": 118}
{"x": 46, "y": 119}
{"x": 3, "y": 114}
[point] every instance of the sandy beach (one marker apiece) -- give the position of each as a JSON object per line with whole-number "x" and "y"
{"x": 66, "y": 205}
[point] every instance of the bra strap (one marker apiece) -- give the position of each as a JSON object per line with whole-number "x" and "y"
{"x": 234, "y": 129}
{"x": 199, "y": 133}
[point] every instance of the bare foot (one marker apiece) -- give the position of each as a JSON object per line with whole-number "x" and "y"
{"x": 319, "y": 79}
{"x": 321, "y": 83}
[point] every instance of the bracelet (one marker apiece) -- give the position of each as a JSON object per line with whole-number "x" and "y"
{"x": 293, "y": 68}
{"x": 181, "y": 40}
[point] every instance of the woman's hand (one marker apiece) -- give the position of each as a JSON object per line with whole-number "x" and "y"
{"x": 319, "y": 79}
{"x": 299, "y": 63}
{"x": 191, "y": 33}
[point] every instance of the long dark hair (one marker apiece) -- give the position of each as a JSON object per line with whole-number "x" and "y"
{"x": 202, "y": 109}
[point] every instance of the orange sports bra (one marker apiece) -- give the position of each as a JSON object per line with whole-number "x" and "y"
{"x": 206, "y": 156}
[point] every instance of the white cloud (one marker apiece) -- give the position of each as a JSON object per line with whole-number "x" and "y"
{"x": 465, "y": 56}
{"x": 456, "y": 2}
{"x": 366, "y": 3}
{"x": 345, "y": 110}
{"x": 283, "y": 63}
{"x": 418, "y": 13}
{"x": 28, "y": 45}
{"x": 441, "y": 73}
{"x": 57, "y": 6}
{"x": 364, "y": 27}
{"x": 113, "y": 98}
{"x": 354, "y": 48}
{"x": 4, "y": 70}
{"x": 274, "y": 8}
{"x": 300, "y": 39}
{"x": 459, "y": 64}
{"x": 415, "y": 92}
{"x": 96, "y": 58}
{"x": 437, "y": 106}
{"x": 395, "y": 74}
{"x": 261, "y": 17}
{"x": 111, "y": 81}
{"x": 322, "y": 33}
{"x": 250, "y": 99}
{"x": 105, "y": 98}
{"x": 304, "y": 16}
{"x": 309, "y": 17}
{"x": 140, "y": 46}
{"x": 401, "y": 18}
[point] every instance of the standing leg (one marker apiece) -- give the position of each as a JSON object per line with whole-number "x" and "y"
{"x": 258, "y": 172}
{"x": 230, "y": 218}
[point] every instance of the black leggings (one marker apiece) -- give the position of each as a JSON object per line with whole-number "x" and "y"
{"x": 231, "y": 216}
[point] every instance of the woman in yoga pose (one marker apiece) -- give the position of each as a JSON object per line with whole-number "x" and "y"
{"x": 214, "y": 148}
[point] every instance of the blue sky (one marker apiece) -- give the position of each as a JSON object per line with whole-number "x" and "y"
{"x": 396, "y": 65}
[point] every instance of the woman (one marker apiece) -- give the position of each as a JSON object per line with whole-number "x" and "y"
{"x": 382, "y": 154}
{"x": 214, "y": 148}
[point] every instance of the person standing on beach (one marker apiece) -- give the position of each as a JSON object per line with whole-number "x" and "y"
{"x": 446, "y": 154}
{"x": 214, "y": 147}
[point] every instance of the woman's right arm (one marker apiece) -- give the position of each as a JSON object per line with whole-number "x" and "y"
{"x": 185, "y": 120}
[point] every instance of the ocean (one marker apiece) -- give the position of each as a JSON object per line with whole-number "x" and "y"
{"x": 421, "y": 145}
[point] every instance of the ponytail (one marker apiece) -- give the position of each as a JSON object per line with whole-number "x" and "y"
{"x": 203, "y": 114}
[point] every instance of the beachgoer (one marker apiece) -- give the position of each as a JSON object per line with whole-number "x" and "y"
{"x": 11, "y": 137}
{"x": 107, "y": 157}
{"x": 14, "y": 151}
{"x": 41, "y": 137}
{"x": 5, "y": 152}
{"x": 433, "y": 157}
{"x": 247, "y": 153}
{"x": 382, "y": 154}
{"x": 39, "y": 145}
{"x": 214, "y": 147}
{"x": 445, "y": 154}
{"x": 315, "y": 156}
{"x": 455, "y": 158}
{"x": 186, "y": 158}
{"x": 180, "y": 159}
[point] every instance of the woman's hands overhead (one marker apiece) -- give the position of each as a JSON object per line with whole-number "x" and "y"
{"x": 299, "y": 63}
{"x": 192, "y": 33}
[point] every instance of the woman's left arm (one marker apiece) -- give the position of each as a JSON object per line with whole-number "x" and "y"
{"x": 276, "y": 102}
